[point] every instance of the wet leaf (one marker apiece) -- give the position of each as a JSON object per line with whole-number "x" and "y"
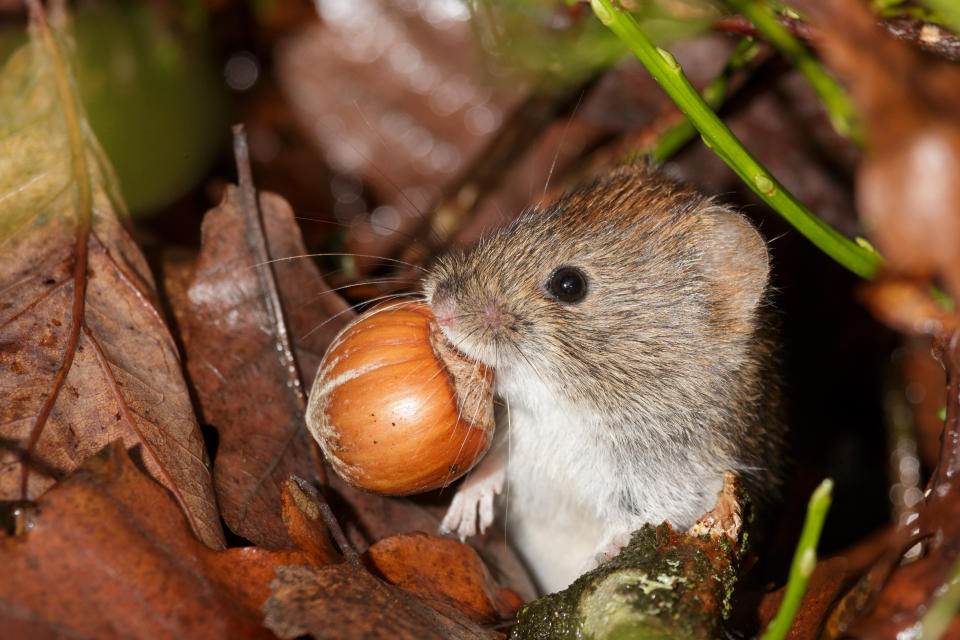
{"x": 908, "y": 185}
{"x": 826, "y": 583}
{"x": 236, "y": 356}
{"x": 399, "y": 97}
{"x": 438, "y": 568}
{"x": 107, "y": 554}
{"x": 85, "y": 356}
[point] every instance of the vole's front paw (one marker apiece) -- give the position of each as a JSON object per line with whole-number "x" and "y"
{"x": 475, "y": 498}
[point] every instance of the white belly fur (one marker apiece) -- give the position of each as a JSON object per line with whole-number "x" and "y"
{"x": 553, "y": 515}
{"x": 563, "y": 493}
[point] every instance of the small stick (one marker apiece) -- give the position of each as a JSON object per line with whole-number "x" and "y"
{"x": 948, "y": 352}
{"x": 329, "y": 519}
{"x": 256, "y": 238}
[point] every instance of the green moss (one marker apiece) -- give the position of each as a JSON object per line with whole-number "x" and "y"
{"x": 664, "y": 584}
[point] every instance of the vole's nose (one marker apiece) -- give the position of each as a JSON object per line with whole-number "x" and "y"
{"x": 495, "y": 315}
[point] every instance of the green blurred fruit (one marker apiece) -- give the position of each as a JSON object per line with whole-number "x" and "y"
{"x": 154, "y": 98}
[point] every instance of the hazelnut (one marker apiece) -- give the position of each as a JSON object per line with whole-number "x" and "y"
{"x": 395, "y": 408}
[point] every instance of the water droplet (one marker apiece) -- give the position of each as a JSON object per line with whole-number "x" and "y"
{"x": 345, "y": 188}
{"x": 241, "y": 71}
{"x": 444, "y": 158}
{"x": 395, "y": 124}
{"x": 404, "y": 58}
{"x": 482, "y": 119}
{"x": 445, "y": 13}
{"x": 419, "y": 142}
{"x": 384, "y": 220}
{"x": 863, "y": 243}
{"x": 424, "y": 78}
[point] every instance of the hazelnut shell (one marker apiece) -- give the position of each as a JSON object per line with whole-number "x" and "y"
{"x": 395, "y": 408}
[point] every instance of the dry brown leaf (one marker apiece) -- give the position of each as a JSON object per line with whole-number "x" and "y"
{"x": 367, "y": 517}
{"x": 85, "y": 356}
{"x": 107, "y": 554}
{"x": 893, "y": 599}
{"x": 237, "y": 356}
{"x": 439, "y": 568}
{"x": 343, "y": 601}
{"x": 303, "y": 523}
{"x": 890, "y": 601}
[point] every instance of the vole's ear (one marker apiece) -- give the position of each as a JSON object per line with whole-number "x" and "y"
{"x": 736, "y": 260}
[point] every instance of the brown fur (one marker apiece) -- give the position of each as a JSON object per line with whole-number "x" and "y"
{"x": 669, "y": 357}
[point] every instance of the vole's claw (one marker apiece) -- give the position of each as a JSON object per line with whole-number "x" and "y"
{"x": 471, "y": 510}
{"x": 461, "y": 517}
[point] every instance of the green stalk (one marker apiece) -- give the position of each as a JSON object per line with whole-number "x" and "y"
{"x": 665, "y": 70}
{"x": 678, "y": 135}
{"x": 943, "y": 610}
{"x": 840, "y": 108}
{"x": 804, "y": 562}
{"x": 949, "y": 12}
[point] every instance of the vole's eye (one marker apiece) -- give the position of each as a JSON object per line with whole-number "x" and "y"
{"x": 567, "y": 284}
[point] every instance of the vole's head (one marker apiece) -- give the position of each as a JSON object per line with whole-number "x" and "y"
{"x": 631, "y": 286}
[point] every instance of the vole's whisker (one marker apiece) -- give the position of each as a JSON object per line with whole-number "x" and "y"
{"x": 339, "y": 255}
{"x": 351, "y": 225}
{"x": 556, "y": 155}
{"x": 392, "y": 296}
{"x": 365, "y": 283}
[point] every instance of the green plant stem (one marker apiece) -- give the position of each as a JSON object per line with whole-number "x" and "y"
{"x": 840, "y": 108}
{"x": 949, "y": 12}
{"x": 714, "y": 94}
{"x": 665, "y": 70}
{"x": 943, "y": 609}
{"x": 804, "y": 562}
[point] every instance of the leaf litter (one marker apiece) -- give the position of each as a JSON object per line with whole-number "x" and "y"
{"x": 86, "y": 357}
{"x": 100, "y": 550}
{"x": 240, "y": 352}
